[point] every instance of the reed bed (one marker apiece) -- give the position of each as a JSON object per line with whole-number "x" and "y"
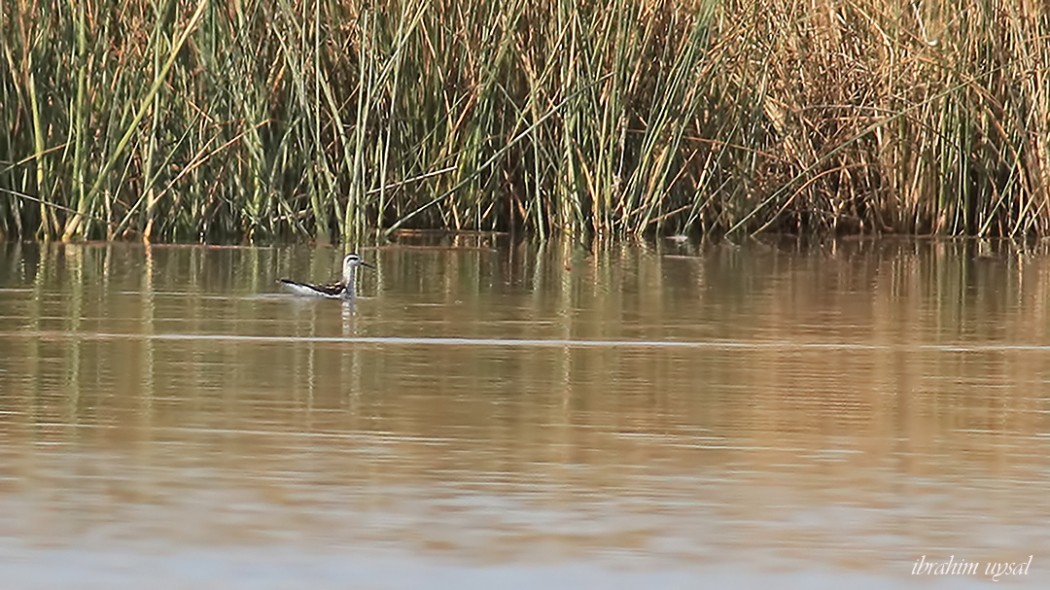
{"x": 299, "y": 119}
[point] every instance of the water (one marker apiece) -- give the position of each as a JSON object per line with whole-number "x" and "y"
{"x": 497, "y": 415}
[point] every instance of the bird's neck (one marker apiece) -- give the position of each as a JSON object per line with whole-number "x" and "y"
{"x": 348, "y": 280}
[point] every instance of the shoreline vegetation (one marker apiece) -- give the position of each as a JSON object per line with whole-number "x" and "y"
{"x": 187, "y": 120}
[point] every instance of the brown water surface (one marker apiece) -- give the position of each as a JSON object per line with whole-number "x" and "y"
{"x": 519, "y": 416}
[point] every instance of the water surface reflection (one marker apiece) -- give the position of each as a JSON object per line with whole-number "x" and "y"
{"x": 518, "y": 415}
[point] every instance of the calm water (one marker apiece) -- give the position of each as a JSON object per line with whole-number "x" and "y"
{"x": 658, "y": 416}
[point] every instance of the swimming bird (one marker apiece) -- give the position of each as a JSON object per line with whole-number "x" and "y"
{"x": 342, "y": 290}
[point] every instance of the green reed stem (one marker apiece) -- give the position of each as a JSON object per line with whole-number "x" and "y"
{"x": 73, "y": 227}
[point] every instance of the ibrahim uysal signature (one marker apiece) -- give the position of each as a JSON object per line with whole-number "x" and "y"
{"x": 965, "y": 567}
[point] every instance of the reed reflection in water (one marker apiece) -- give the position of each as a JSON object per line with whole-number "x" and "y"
{"x": 517, "y": 415}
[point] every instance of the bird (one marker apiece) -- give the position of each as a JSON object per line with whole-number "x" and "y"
{"x": 342, "y": 290}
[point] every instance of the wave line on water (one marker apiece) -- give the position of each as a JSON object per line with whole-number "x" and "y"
{"x": 531, "y": 342}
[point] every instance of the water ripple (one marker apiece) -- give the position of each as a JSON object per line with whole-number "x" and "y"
{"x": 533, "y": 342}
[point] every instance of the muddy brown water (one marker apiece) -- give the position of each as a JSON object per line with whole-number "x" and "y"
{"x": 505, "y": 415}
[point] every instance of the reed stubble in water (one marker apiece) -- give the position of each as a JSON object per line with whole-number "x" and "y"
{"x": 196, "y": 120}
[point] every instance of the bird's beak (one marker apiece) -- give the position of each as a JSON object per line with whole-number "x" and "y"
{"x": 363, "y": 263}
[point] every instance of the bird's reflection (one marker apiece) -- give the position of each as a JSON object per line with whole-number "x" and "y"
{"x": 349, "y": 318}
